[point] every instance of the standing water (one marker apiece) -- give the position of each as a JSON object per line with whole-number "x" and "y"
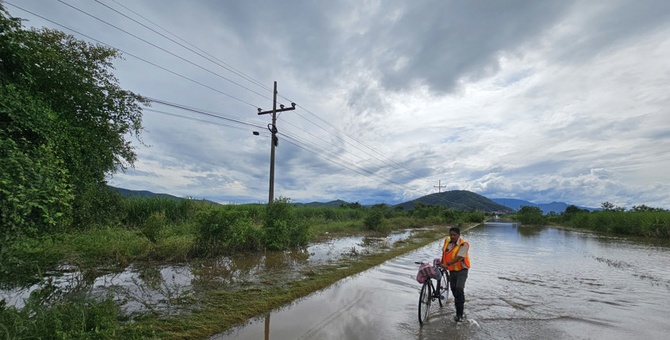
{"x": 525, "y": 283}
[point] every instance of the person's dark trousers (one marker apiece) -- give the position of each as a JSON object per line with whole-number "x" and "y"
{"x": 457, "y": 283}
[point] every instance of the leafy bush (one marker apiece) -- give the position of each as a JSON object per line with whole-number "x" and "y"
{"x": 648, "y": 222}
{"x": 64, "y": 319}
{"x": 282, "y": 229}
{"x": 153, "y": 225}
{"x": 373, "y": 220}
{"x": 223, "y": 230}
{"x": 530, "y": 215}
{"x": 138, "y": 209}
{"x": 475, "y": 217}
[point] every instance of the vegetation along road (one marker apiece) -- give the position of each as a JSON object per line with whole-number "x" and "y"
{"x": 79, "y": 260}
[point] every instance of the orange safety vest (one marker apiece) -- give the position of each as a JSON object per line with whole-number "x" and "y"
{"x": 448, "y": 256}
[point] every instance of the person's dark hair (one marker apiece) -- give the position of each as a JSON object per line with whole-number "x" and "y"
{"x": 455, "y": 229}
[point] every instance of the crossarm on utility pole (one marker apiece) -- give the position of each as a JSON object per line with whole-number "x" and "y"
{"x": 274, "y": 140}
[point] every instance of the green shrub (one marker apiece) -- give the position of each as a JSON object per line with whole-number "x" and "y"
{"x": 153, "y": 225}
{"x": 223, "y": 230}
{"x": 137, "y": 210}
{"x": 530, "y": 215}
{"x": 71, "y": 319}
{"x": 373, "y": 220}
{"x": 282, "y": 229}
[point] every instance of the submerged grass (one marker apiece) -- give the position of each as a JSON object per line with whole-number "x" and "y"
{"x": 165, "y": 231}
{"x": 227, "y": 308}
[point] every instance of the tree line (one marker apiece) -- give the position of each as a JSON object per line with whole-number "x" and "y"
{"x": 640, "y": 220}
{"x": 64, "y": 122}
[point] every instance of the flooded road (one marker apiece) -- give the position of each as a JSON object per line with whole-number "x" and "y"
{"x": 526, "y": 283}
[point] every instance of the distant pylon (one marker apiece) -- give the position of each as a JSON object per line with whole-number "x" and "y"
{"x": 439, "y": 186}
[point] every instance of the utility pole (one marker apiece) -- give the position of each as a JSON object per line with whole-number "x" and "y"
{"x": 275, "y": 140}
{"x": 439, "y": 186}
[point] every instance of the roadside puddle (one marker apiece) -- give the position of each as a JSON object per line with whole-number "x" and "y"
{"x": 174, "y": 289}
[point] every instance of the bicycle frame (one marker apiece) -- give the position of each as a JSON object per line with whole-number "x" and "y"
{"x": 430, "y": 292}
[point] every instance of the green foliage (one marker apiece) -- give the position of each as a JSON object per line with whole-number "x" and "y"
{"x": 281, "y": 227}
{"x": 373, "y": 220}
{"x": 649, "y": 223}
{"x": 97, "y": 205}
{"x": 642, "y": 208}
{"x": 136, "y": 210}
{"x": 62, "y": 109}
{"x": 475, "y": 217}
{"x": 35, "y": 192}
{"x": 573, "y": 209}
{"x": 64, "y": 319}
{"x": 354, "y": 205}
{"x": 457, "y": 199}
{"x": 530, "y": 215}
{"x": 329, "y": 213}
{"x": 153, "y": 225}
{"x": 225, "y": 231}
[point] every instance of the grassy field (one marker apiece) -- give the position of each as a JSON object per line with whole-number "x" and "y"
{"x": 165, "y": 231}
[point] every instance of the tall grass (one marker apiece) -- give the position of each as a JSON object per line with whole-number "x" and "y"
{"x": 178, "y": 230}
{"x": 641, "y": 223}
{"x": 137, "y": 210}
{"x": 70, "y": 318}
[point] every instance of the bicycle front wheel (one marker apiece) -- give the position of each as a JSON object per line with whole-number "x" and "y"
{"x": 443, "y": 291}
{"x": 425, "y": 297}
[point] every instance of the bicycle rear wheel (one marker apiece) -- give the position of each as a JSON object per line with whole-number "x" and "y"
{"x": 443, "y": 285}
{"x": 425, "y": 297}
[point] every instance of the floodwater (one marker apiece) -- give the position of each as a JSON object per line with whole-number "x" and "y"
{"x": 525, "y": 283}
{"x": 174, "y": 289}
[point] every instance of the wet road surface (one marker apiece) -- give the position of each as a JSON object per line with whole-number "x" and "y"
{"x": 526, "y": 283}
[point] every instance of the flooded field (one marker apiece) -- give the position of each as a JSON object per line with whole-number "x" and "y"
{"x": 526, "y": 283}
{"x": 173, "y": 289}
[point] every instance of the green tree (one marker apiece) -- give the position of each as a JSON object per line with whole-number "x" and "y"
{"x": 573, "y": 209}
{"x": 35, "y": 194}
{"x": 530, "y": 215}
{"x": 607, "y": 206}
{"x": 66, "y": 102}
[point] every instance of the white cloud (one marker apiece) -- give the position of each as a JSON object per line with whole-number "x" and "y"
{"x": 544, "y": 101}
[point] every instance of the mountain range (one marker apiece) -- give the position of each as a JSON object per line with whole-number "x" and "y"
{"x": 555, "y": 207}
{"x": 456, "y": 199}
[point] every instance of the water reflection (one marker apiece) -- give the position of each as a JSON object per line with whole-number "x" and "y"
{"x": 529, "y": 231}
{"x": 526, "y": 283}
{"x": 166, "y": 290}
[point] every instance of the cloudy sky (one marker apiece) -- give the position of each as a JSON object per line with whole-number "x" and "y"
{"x": 538, "y": 100}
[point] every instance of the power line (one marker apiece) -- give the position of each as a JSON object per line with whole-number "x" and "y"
{"x": 203, "y": 112}
{"x": 133, "y": 55}
{"x": 186, "y": 47}
{"x": 227, "y": 66}
{"x": 409, "y": 177}
{"x": 352, "y": 167}
{"x": 211, "y": 88}
{"x": 243, "y": 76}
{"x": 190, "y": 62}
{"x": 294, "y": 140}
{"x": 152, "y": 44}
{"x": 356, "y": 140}
{"x": 191, "y": 118}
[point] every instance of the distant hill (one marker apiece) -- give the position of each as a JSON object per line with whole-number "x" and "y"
{"x": 146, "y": 193}
{"x": 335, "y": 204}
{"x": 459, "y": 200}
{"x": 516, "y": 204}
{"x": 141, "y": 193}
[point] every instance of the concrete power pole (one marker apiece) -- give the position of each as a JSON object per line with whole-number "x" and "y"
{"x": 439, "y": 186}
{"x": 275, "y": 140}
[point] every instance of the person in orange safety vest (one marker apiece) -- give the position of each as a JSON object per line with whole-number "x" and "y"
{"x": 456, "y": 260}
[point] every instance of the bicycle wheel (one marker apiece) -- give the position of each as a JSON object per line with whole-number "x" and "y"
{"x": 425, "y": 297}
{"x": 443, "y": 287}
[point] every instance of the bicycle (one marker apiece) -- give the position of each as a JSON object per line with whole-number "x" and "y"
{"x": 430, "y": 293}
